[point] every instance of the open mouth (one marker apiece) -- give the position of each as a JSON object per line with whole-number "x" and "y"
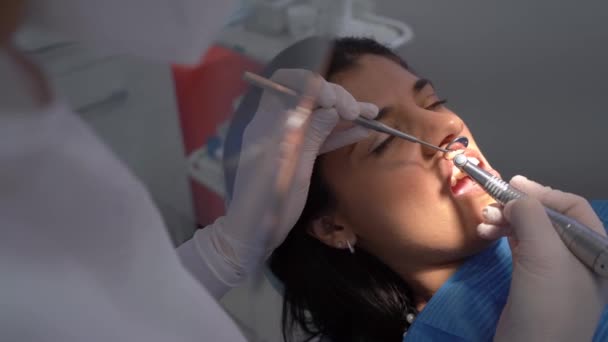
{"x": 459, "y": 182}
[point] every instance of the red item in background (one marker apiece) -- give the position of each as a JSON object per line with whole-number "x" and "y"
{"x": 205, "y": 96}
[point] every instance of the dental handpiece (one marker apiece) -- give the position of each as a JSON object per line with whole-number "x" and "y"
{"x": 590, "y": 247}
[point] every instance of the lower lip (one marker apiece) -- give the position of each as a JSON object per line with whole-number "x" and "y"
{"x": 467, "y": 186}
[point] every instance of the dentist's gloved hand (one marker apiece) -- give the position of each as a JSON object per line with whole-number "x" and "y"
{"x": 234, "y": 245}
{"x": 553, "y": 296}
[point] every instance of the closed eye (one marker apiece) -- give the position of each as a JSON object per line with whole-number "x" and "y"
{"x": 382, "y": 147}
{"x": 436, "y": 105}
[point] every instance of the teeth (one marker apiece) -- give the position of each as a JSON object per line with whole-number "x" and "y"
{"x": 456, "y": 176}
{"x": 456, "y": 173}
{"x": 452, "y": 154}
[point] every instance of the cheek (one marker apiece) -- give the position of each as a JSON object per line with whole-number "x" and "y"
{"x": 401, "y": 211}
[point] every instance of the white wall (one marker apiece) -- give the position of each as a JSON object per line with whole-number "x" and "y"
{"x": 131, "y": 106}
{"x": 145, "y": 133}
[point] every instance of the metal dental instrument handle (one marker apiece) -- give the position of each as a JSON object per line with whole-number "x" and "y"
{"x": 590, "y": 247}
{"x": 378, "y": 126}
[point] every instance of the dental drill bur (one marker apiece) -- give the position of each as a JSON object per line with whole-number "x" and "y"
{"x": 590, "y": 247}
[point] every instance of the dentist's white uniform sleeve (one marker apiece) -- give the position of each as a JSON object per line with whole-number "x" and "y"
{"x": 84, "y": 255}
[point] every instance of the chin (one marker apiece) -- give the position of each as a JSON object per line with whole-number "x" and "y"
{"x": 469, "y": 246}
{"x": 473, "y": 242}
{"x": 475, "y": 207}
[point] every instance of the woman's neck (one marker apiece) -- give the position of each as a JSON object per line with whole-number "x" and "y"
{"x": 425, "y": 282}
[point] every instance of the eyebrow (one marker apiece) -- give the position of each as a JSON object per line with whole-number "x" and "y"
{"x": 420, "y": 84}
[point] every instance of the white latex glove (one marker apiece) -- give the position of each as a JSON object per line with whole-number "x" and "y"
{"x": 234, "y": 245}
{"x": 553, "y": 296}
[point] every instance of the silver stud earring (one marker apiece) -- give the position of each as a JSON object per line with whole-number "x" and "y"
{"x": 340, "y": 244}
{"x": 410, "y": 317}
{"x": 350, "y": 247}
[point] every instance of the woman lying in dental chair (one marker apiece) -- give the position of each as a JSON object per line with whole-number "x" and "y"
{"x": 393, "y": 241}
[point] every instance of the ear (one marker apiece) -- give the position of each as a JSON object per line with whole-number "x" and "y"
{"x": 332, "y": 232}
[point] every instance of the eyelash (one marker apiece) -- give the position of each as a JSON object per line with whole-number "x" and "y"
{"x": 378, "y": 150}
{"x": 437, "y": 104}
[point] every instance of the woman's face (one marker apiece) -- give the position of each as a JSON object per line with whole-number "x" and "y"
{"x": 397, "y": 196}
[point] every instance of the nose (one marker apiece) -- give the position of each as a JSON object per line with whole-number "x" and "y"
{"x": 439, "y": 128}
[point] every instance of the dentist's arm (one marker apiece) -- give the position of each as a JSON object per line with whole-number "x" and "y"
{"x": 224, "y": 253}
{"x": 553, "y": 296}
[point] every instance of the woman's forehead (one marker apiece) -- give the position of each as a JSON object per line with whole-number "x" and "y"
{"x": 375, "y": 78}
